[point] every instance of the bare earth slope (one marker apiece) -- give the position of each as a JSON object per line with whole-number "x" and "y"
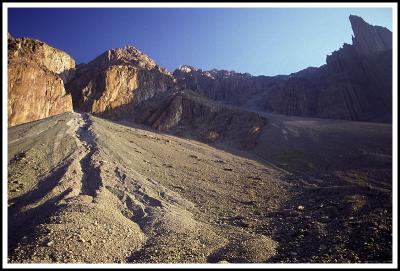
{"x": 109, "y": 193}
{"x": 84, "y": 189}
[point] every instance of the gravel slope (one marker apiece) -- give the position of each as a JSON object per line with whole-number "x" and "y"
{"x": 84, "y": 189}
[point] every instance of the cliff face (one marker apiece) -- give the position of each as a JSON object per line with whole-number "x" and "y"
{"x": 369, "y": 39}
{"x": 355, "y": 84}
{"x": 52, "y": 59}
{"x": 113, "y": 83}
{"x": 35, "y": 80}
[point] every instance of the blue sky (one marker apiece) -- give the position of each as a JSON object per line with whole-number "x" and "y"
{"x": 261, "y": 41}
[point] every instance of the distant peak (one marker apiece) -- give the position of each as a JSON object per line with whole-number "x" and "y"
{"x": 126, "y": 50}
{"x": 127, "y": 55}
{"x": 186, "y": 68}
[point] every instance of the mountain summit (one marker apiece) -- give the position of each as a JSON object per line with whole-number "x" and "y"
{"x": 115, "y": 81}
{"x": 369, "y": 39}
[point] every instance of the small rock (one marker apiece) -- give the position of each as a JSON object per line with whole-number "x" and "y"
{"x": 300, "y": 208}
{"x": 223, "y": 261}
{"x": 49, "y": 244}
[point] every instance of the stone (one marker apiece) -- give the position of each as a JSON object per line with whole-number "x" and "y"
{"x": 116, "y": 81}
{"x": 35, "y": 81}
{"x": 50, "y": 243}
{"x": 36, "y": 51}
{"x": 300, "y": 208}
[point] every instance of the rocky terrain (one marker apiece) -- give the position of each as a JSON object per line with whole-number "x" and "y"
{"x": 355, "y": 84}
{"x": 188, "y": 114}
{"x": 117, "y": 80}
{"x": 36, "y": 77}
{"x": 85, "y": 189}
{"x": 199, "y": 166}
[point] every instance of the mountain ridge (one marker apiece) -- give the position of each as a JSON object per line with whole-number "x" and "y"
{"x": 354, "y": 84}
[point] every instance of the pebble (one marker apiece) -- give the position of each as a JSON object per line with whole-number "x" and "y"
{"x": 300, "y": 208}
{"x": 49, "y": 244}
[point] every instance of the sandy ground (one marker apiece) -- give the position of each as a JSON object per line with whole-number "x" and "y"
{"x": 84, "y": 189}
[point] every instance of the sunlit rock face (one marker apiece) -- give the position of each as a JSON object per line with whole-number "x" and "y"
{"x": 117, "y": 80}
{"x": 355, "y": 84}
{"x": 36, "y": 76}
{"x": 32, "y": 50}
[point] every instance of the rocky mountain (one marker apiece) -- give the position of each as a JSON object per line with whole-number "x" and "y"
{"x": 228, "y": 87}
{"x": 210, "y": 181}
{"x": 355, "y": 84}
{"x": 186, "y": 113}
{"x": 369, "y": 39}
{"x": 36, "y": 76}
{"x": 117, "y": 80}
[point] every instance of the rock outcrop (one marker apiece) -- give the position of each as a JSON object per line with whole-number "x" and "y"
{"x": 36, "y": 76}
{"x": 369, "y": 39}
{"x": 228, "y": 87}
{"x": 355, "y": 84}
{"x": 186, "y": 113}
{"x": 117, "y": 80}
{"x": 52, "y": 59}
